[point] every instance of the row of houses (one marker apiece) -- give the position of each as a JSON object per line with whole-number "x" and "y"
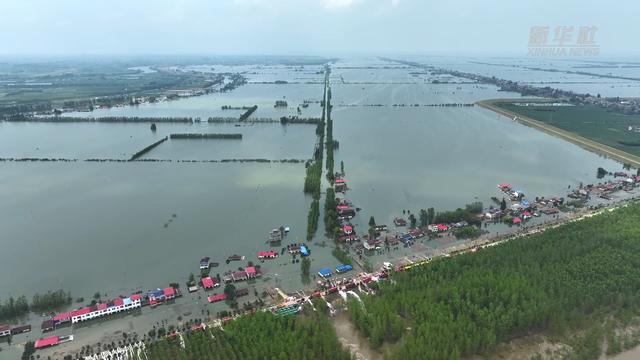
{"x": 159, "y": 296}
{"x": 222, "y": 296}
{"x": 118, "y": 305}
{"x": 99, "y": 310}
{"x": 6, "y": 330}
{"x": 250, "y": 272}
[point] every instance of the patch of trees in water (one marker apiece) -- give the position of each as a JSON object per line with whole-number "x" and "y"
{"x": 292, "y": 161}
{"x": 51, "y": 300}
{"x": 248, "y": 113}
{"x": 229, "y": 107}
{"x": 38, "y": 159}
{"x": 560, "y": 282}
{"x": 147, "y": 149}
{"x": 105, "y": 119}
{"x": 284, "y": 120}
{"x": 206, "y": 136}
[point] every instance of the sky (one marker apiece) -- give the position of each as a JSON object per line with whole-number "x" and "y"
{"x": 306, "y": 27}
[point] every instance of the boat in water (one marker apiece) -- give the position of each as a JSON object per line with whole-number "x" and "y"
{"x": 234, "y": 258}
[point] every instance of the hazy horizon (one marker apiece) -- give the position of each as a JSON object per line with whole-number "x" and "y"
{"x": 302, "y": 27}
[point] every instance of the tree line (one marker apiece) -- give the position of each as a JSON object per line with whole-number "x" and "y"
{"x": 206, "y": 136}
{"x": 104, "y": 119}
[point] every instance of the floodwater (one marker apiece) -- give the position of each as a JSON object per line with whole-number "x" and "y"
{"x": 210, "y": 105}
{"x": 124, "y": 227}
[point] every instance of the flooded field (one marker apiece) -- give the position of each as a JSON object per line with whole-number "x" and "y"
{"x": 205, "y": 106}
{"x": 118, "y": 228}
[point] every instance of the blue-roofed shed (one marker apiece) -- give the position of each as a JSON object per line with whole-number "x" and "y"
{"x": 324, "y": 272}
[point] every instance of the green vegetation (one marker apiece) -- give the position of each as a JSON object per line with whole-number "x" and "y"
{"x": 13, "y": 308}
{"x": 312, "y": 181}
{"x": 342, "y": 255}
{"x": 330, "y": 144}
{"x": 592, "y": 122}
{"x": 467, "y": 232}
{"x": 427, "y": 216}
{"x": 313, "y": 178}
{"x": 192, "y": 279}
{"x": 312, "y": 219}
{"x": 248, "y": 113}
{"x": 260, "y": 336}
{"x": 305, "y": 267}
{"x": 29, "y": 350}
{"x": 468, "y": 214}
{"x": 103, "y": 119}
{"x": 331, "y": 222}
{"x": 51, "y": 300}
{"x": 147, "y": 149}
{"x": 206, "y": 136}
{"x": 230, "y": 291}
{"x": 561, "y": 281}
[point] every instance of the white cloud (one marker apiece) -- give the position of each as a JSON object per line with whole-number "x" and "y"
{"x": 339, "y": 4}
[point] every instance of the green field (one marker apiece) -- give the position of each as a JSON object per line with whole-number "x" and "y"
{"x": 589, "y": 121}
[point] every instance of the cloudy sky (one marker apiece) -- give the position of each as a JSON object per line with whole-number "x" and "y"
{"x": 299, "y": 27}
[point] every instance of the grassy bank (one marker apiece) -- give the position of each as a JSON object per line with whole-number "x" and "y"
{"x": 567, "y": 280}
{"x": 596, "y": 129}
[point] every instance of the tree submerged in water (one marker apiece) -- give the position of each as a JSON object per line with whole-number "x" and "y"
{"x": 602, "y": 173}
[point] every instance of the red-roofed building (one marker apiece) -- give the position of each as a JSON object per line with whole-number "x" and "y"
{"x": 347, "y": 229}
{"x": 169, "y": 293}
{"x": 46, "y": 342}
{"x": 239, "y": 275}
{"x": 62, "y": 318}
{"x": 267, "y": 254}
{"x": 217, "y": 297}
{"x": 517, "y": 220}
{"x": 251, "y": 272}
{"x": 209, "y": 283}
{"x": 103, "y": 309}
{"x": 372, "y": 244}
{"x": 442, "y": 227}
